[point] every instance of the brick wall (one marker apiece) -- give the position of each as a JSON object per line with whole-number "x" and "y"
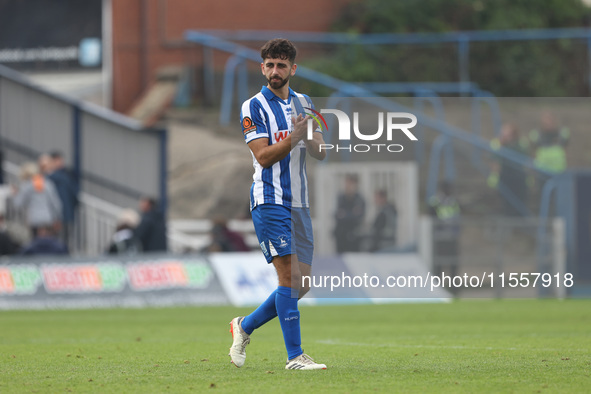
{"x": 147, "y": 34}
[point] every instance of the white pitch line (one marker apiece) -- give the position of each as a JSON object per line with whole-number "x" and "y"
{"x": 339, "y": 343}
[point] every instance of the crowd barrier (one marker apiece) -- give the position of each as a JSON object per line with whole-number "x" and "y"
{"x": 239, "y": 279}
{"x": 139, "y": 281}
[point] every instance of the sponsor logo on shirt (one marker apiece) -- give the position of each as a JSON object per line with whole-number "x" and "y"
{"x": 248, "y": 126}
{"x": 281, "y": 135}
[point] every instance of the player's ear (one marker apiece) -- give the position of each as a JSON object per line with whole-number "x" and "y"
{"x": 263, "y": 68}
{"x": 293, "y": 69}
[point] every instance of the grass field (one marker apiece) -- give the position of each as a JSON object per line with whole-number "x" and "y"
{"x": 466, "y": 346}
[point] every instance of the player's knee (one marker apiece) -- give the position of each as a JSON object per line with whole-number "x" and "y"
{"x": 304, "y": 289}
{"x": 296, "y": 280}
{"x": 289, "y": 274}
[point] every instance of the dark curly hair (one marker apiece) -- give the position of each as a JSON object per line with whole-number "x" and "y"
{"x": 279, "y": 48}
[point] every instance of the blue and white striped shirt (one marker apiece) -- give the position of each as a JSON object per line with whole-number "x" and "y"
{"x": 267, "y": 116}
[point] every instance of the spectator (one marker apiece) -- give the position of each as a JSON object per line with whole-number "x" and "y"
{"x": 45, "y": 243}
{"x": 225, "y": 240}
{"x": 44, "y": 163}
{"x": 151, "y": 232}
{"x": 549, "y": 144}
{"x": 67, "y": 191}
{"x": 507, "y": 174}
{"x": 7, "y": 245}
{"x": 38, "y": 198}
{"x": 349, "y": 217}
{"x": 445, "y": 210}
{"x": 443, "y": 205}
{"x": 1, "y": 166}
{"x": 383, "y": 230}
{"x": 123, "y": 240}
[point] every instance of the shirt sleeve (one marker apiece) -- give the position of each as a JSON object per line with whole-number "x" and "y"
{"x": 253, "y": 121}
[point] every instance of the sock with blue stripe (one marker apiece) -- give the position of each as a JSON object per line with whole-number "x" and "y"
{"x": 289, "y": 318}
{"x": 265, "y": 312}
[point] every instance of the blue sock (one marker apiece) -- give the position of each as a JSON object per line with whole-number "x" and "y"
{"x": 289, "y": 317}
{"x": 265, "y": 312}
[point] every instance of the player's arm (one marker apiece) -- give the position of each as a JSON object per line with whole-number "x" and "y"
{"x": 267, "y": 155}
{"x": 313, "y": 146}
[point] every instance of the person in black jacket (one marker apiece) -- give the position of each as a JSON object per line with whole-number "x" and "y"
{"x": 445, "y": 210}
{"x": 349, "y": 217}
{"x": 383, "y": 229}
{"x": 151, "y": 232}
{"x": 123, "y": 240}
{"x": 45, "y": 243}
{"x": 67, "y": 191}
{"x": 8, "y": 246}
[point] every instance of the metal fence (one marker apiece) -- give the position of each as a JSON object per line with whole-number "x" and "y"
{"x": 113, "y": 159}
{"x": 111, "y": 156}
{"x": 499, "y": 248}
{"x": 96, "y": 221}
{"x": 120, "y": 162}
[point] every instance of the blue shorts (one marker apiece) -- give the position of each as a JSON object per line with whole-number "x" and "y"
{"x": 283, "y": 231}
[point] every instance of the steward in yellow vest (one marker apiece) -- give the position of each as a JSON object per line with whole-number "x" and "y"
{"x": 549, "y": 145}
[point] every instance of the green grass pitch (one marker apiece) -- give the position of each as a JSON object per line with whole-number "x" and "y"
{"x": 464, "y": 346}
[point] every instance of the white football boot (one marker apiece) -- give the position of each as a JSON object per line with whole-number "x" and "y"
{"x": 303, "y": 362}
{"x": 240, "y": 340}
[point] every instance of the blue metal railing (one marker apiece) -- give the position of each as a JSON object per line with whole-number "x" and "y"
{"x": 424, "y": 93}
{"x": 235, "y": 69}
{"x": 240, "y": 54}
{"x": 548, "y": 190}
{"x": 461, "y": 39}
{"x": 401, "y": 38}
{"x": 422, "y": 87}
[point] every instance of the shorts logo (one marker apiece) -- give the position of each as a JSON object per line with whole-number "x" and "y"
{"x": 282, "y": 241}
{"x": 263, "y": 248}
{"x": 247, "y": 125}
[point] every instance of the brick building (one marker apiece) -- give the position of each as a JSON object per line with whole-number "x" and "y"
{"x": 148, "y": 34}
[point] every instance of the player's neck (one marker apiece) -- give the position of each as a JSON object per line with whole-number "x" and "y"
{"x": 282, "y": 93}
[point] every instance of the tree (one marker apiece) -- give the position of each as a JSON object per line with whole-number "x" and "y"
{"x": 511, "y": 68}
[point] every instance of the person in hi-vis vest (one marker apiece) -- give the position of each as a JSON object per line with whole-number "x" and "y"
{"x": 549, "y": 144}
{"x": 511, "y": 176}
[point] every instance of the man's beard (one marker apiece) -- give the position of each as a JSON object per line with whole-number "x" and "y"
{"x": 277, "y": 83}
